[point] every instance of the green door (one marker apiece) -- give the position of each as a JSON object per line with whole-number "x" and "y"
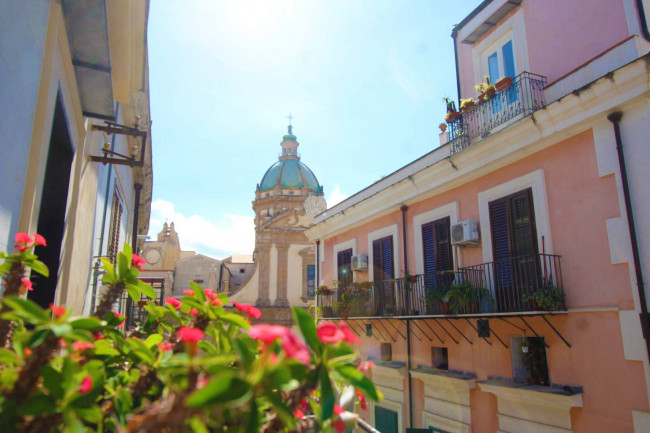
{"x": 385, "y": 420}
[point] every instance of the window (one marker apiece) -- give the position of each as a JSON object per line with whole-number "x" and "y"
{"x": 529, "y": 363}
{"x": 438, "y": 260}
{"x": 382, "y": 262}
{"x": 344, "y": 266}
{"x": 501, "y": 63}
{"x": 385, "y": 420}
{"x": 242, "y": 270}
{"x": 385, "y": 352}
{"x": 439, "y": 358}
{"x": 311, "y": 280}
{"x": 116, "y": 225}
{"x": 514, "y": 246}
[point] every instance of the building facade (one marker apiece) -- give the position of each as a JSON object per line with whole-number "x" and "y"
{"x": 502, "y": 267}
{"x": 68, "y": 69}
{"x": 286, "y": 201}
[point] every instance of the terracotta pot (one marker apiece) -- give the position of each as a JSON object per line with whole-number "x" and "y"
{"x": 503, "y": 83}
{"x": 469, "y": 107}
{"x": 443, "y": 127}
{"x": 444, "y": 307}
{"x": 452, "y": 116}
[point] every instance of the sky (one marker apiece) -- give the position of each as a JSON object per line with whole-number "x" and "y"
{"x": 363, "y": 80}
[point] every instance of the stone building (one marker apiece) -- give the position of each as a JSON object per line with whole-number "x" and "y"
{"x": 286, "y": 201}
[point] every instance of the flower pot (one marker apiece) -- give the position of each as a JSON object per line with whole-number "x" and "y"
{"x": 443, "y": 127}
{"x": 468, "y": 107}
{"x": 443, "y": 307}
{"x": 503, "y": 84}
{"x": 452, "y": 116}
{"x": 489, "y": 93}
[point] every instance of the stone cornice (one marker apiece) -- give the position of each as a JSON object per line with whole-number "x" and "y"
{"x": 525, "y": 394}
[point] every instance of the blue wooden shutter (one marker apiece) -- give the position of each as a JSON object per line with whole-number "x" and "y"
{"x": 344, "y": 264}
{"x": 509, "y": 71}
{"x": 385, "y": 420}
{"x": 428, "y": 249}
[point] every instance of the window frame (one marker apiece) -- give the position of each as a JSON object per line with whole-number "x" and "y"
{"x": 376, "y": 235}
{"x": 349, "y": 244}
{"x": 450, "y": 211}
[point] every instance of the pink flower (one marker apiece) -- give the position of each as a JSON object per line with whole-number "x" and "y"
{"x": 27, "y": 284}
{"x": 201, "y": 383}
{"x": 298, "y": 413}
{"x": 267, "y": 333}
{"x": 194, "y": 311}
{"x": 137, "y": 262}
{"x": 189, "y": 292}
{"x": 120, "y": 316}
{"x": 248, "y": 309}
{"x": 39, "y": 240}
{"x": 338, "y": 410}
{"x": 329, "y": 333}
{"x": 350, "y": 336}
{"x": 339, "y": 425}
{"x": 58, "y": 311}
{"x": 165, "y": 346}
{"x": 80, "y": 346}
{"x": 23, "y": 238}
{"x": 365, "y": 366}
{"x": 173, "y": 302}
{"x": 362, "y": 399}
{"x": 217, "y": 302}
{"x": 86, "y": 385}
{"x": 190, "y": 335}
{"x": 98, "y": 335}
{"x": 292, "y": 346}
{"x": 210, "y": 293}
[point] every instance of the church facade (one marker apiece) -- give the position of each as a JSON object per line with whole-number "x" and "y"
{"x": 284, "y": 271}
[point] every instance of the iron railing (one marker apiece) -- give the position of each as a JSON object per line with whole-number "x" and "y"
{"x": 523, "y": 283}
{"x": 523, "y": 97}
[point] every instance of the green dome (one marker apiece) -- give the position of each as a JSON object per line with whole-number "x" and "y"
{"x": 290, "y": 173}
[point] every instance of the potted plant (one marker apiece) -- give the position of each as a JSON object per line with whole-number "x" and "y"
{"x": 443, "y": 127}
{"x": 503, "y": 84}
{"x": 465, "y": 299}
{"x": 533, "y": 358}
{"x": 546, "y": 298}
{"x": 452, "y": 114}
{"x": 467, "y": 105}
{"x": 436, "y": 298}
{"x": 486, "y": 90}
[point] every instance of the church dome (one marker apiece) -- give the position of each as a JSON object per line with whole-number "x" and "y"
{"x": 289, "y": 172}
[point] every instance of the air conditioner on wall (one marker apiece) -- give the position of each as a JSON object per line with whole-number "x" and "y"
{"x": 360, "y": 262}
{"x": 465, "y": 233}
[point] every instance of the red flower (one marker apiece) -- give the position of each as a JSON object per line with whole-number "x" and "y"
{"x": 350, "y": 336}
{"x": 339, "y": 425}
{"x": 210, "y": 293}
{"x": 23, "y": 238}
{"x": 190, "y": 335}
{"x": 292, "y": 346}
{"x": 27, "y": 351}
{"x": 137, "y": 262}
{"x": 267, "y": 333}
{"x": 362, "y": 399}
{"x": 173, "y": 302}
{"x": 86, "y": 385}
{"x": 194, "y": 311}
{"x": 98, "y": 335}
{"x": 248, "y": 309}
{"x": 201, "y": 383}
{"x": 304, "y": 404}
{"x": 217, "y": 302}
{"x": 189, "y": 292}
{"x": 365, "y": 366}
{"x": 80, "y": 346}
{"x": 298, "y": 413}
{"x": 165, "y": 346}
{"x": 120, "y": 316}
{"x": 39, "y": 240}
{"x": 58, "y": 311}
{"x": 329, "y": 333}
{"x": 27, "y": 284}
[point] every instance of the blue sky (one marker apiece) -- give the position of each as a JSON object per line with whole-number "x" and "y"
{"x": 363, "y": 79}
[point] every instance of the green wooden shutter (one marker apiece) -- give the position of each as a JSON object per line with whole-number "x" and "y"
{"x": 385, "y": 420}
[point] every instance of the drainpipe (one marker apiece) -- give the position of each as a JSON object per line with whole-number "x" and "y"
{"x": 615, "y": 118}
{"x": 408, "y": 322}
{"x": 317, "y": 282}
{"x": 453, "y": 36}
{"x": 642, "y": 20}
{"x": 406, "y": 261}
{"x": 134, "y": 242}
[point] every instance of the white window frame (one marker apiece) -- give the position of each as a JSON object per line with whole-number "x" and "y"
{"x": 352, "y": 243}
{"x": 534, "y": 180}
{"x": 390, "y": 230}
{"x": 449, "y": 210}
{"x": 512, "y": 29}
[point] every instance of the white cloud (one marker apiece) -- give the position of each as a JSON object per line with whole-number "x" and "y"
{"x": 335, "y": 197}
{"x": 232, "y": 234}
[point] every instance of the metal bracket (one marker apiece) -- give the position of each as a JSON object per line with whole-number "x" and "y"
{"x": 116, "y": 128}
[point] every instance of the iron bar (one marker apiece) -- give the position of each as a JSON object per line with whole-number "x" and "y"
{"x": 476, "y": 329}
{"x": 353, "y": 329}
{"x": 382, "y": 334}
{"x": 422, "y": 331}
{"x": 510, "y": 323}
{"x": 434, "y": 332}
{"x": 458, "y": 330}
{"x": 444, "y": 329}
{"x": 373, "y": 333}
{"x": 556, "y": 331}
{"x": 534, "y": 332}
{"x": 395, "y": 328}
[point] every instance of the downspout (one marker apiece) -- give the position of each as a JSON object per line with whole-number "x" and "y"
{"x": 615, "y": 118}
{"x": 642, "y": 20}
{"x": 408, "y": 322}
{"x": 453, "y": 36}
{"x": 317, "y": 282}
{"x": 134, "y": 241}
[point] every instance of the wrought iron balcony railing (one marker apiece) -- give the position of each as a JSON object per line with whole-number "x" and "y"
{"x": 530, "y": 282}
{"x": 524, "y": 96}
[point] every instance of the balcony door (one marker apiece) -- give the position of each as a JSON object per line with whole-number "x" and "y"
{"x": 438, "y": 261}
{"x": 383, "y": 275}
{"x": 501, "y": 63}
{"x": 514, "y": 244}
{"x": 344, "y": 270}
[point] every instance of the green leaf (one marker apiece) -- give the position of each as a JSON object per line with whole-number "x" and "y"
{"x": 133, "y": 292}
{"x": 152, "y": 340}
{"x": 27, "y": 308}
{"x": 198, "y": 426}
{"x": 61, "y": 329}
{"x": 146, "y": 289}
{"x": 4, "y": 268}
{"x": 198, "y": 291}
{"x": 8, "y": 357}
{"x": 38, "y": 337}
{"x": 123, "y": 401}
{"x": 91, "y": 414}
{"x": 307, "y": 328}
{"x": 72, "y": 423}
{"x": 252, "y": 425}
{"x": 124, "y": 262}
{"x": 38, "y": 405}
{"x": 224, "y": 389}
{"x": 281, "y": 409}
{"x": 247, "y": 357}
{"x": 235, "y": 319}
{"x": 39, "y": 267}
{"x": 87, "y": 323}
{"x": 105, "y": 347}
{"x": 358, "y": 380}
{"x": 52, "y": 381}
{"x": 327, "y": 397}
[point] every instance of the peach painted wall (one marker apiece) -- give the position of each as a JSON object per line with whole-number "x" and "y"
{"x": 561, "y": 35}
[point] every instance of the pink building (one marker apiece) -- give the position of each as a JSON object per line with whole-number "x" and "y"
{"x": 505, "y": 267}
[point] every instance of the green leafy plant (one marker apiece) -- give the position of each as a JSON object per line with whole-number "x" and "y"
{"x": 548, "y": 297}
{"x": 467, "y": 104}
{"x": 465, "y": 298}
{"x": 486, "y": 90}
{"x": 192, "y": 365}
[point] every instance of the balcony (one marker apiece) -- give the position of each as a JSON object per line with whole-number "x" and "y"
{"x": 527, "y": 283}
{"x": 523, "y": 97}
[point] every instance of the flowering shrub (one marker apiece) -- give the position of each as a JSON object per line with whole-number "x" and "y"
{"x": 193, "y": 365}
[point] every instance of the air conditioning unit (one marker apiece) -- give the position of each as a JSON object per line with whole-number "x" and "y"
{"x": 465, "y": 233}
{"x": 360, "y": 262}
